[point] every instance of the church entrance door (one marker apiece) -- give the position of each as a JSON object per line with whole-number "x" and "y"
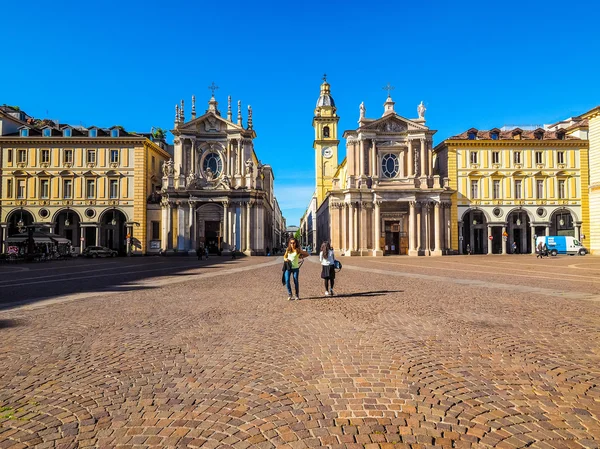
{"x": 212, "y": 238}
{"x": 392, "y": 237}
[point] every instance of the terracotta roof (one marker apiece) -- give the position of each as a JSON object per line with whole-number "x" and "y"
{"x": 509, "y": 135}
{"x": 579, "y": 124}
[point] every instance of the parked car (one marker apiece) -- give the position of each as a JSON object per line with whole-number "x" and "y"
{"x": 99, "y": 251}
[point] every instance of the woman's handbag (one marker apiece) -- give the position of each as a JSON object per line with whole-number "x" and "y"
{"x": 338, "y": 265}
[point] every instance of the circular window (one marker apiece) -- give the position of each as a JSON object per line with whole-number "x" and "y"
{"x": 497, "y": 212}
{"x": 390, "y": 165}
{"x": 212, "y": 166}
{"x": 44, "y": 213}
{"x": 541, "y": 212}
{"x": 90, "y": 213}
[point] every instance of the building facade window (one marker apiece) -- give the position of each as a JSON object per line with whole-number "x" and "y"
{"x": 326, "y": 131}
{"x": 562, "y": 193}
{"x": 45, "y": 189}
{"x": 93, "y": 133}
{"x": 540, "y": 189}
{"x": 153, "y": 164}
{"x": 213, "y": 162}
{"x": 47, "y": 132}
{"x": 68, "y": 156}
{"x": 560, "y": 157}
{"x": 517, "y": 157}
{"x": 496, "y": 189}
{"x": 518, "y": 189}
{"x": 539, "y": 157}
{"x": 472, "y": 136}
{"x": 494, "y": 136}
{"x": 474, "y": 157}
{"x": 91, "y": 156}
{"x": 22, "y": 156}
{"x": 9, "y": 156}
{"x": 67, "y": 132}
{"x": 474, "y": 189}
{"x": 495, "y": 157}
{"x": 113, "y": 189}
{"x": 24, "y": 133}
{"x": 114, "y": 133}
{"x": 390, "y": 166}
{"x": 67, "y": 189}
{"x": 45, "y": 156}
{"x": 21, "y": 189}
{"x": 9, "y": 188}
{"x": 114, "y": 156}
{"x": 90, "y": 188}
{"x": 156, "y": 230}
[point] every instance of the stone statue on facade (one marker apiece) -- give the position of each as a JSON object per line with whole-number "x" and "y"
{"x": 249, "y": 168}
{"x": 421, "y": 110}
{"x": 168, "y": 169}
{"x": 362, "y": 109}
{"x": 210, "y": 176}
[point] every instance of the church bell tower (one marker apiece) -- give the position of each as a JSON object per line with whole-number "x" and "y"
{"x": 325, "y": 123}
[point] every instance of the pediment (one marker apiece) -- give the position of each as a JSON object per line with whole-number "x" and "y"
{"x": 66, "y": 173}
{"x": 113, "y": 173}
{"x": 208, "y": 123}
{"x": 44, "y": 173}
{"x": 90, "y": 174}
{"x": 393, "y": 124}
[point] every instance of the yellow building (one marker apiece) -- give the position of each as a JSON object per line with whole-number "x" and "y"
{"x": 513, "y": 184}
{"x": 89, "y": 185}
{"x": 593, "y": 119}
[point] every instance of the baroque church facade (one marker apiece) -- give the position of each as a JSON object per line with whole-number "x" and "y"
{"x": 386, "y": 197}
{"x": 216, "y": 193}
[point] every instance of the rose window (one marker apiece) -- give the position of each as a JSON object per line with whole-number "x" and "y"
{"x": 390, "y": 165}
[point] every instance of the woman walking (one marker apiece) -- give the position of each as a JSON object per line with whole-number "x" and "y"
{"x": 292, "y": 256}
{"x": 327, "y": 258}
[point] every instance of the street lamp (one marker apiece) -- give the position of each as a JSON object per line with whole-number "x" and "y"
{"x": 21, "y": 223}
{"x": 518, "y": 222}
{"x": 474, "y": 222}
{"x": 67, "y": 221}
{"x": 114, "y": 220}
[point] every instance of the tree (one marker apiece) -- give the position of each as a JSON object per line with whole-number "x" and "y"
{"x": 159, "y": 133}
{"x": 298, "y": 236}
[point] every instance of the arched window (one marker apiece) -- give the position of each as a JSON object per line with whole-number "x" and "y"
{"x": 213, "y": 162}
{"x": 390, "y": 166}
{"x": 326, "y": 131}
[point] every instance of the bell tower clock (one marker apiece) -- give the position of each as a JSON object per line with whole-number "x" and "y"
{"x": 325, "y": 123}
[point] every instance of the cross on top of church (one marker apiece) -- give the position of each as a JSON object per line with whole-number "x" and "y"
{"x": 389, "y": 88}
{"x": 325, "y": 77}
{"x": 213, "y": 87}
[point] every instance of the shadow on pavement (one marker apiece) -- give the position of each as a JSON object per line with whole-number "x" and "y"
{"x": 47, "y": 280}
{"x": 5, "y": 324}
{"x": 355, "y": 295}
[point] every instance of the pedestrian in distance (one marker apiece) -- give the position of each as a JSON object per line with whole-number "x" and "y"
{"x": 199, "y": 252}
{"x": 233, "y": 253}
{"x": 206, "y": 252}
{"x": 540, "y": 250}
{"x": 292, "y": 257}
{"x": 327, "y": 258}
{"x": 514, "y": 247}
{"x": 468, "y": 249}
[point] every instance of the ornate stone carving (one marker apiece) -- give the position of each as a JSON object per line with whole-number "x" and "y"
{"x": 249, "y": 167}
{"x": 212, "y": 124}
{"x": 392, "y": 126}
{"x": 168, "y": 169}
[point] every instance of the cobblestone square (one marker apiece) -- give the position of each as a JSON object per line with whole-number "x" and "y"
{"x": 453, "y": 352}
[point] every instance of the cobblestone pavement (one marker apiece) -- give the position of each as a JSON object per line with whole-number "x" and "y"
{"x": 463, "y": 352}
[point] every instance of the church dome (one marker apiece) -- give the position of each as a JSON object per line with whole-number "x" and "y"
{"x": 325, "y": 99}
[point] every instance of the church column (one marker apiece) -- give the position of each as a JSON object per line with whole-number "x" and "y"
{"x": 363, "y": 228}
{"x": 248, "y": 224}
{"x": 437, "y": 229}
{"x": 374, "y": 165}
{"x": 350, "y": 156}
{"x": 425, "y": 229}
{"x": 193, "y": 168}
{"x": 225, "y": 235}
{"x": 355, "y": 226}
{"x": 361, "y": 158}
{"x": 411, "y": 228}
{"x": 461, "y": 232}
{"x": 429, "y": 160}
{"x": 191, "y": 226}
{"x": 228, "y": 158}
{"x": 351, "y": 228}
{"x": 504, "y": 239}
{"x": 418, "y": 227}
{"x": 423, "y": 160}
{"x": 377, "y": 220}
{"x": 344, "y": 227}
{"x": 411, "y": 160}
{"x": 447, "y": 223}
{"x": 240, "y": 156}
{"x": 489, "y": 242}
{"x": 164, "y": 225}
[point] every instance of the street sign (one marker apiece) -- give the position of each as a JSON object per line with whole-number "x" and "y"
{"x": 491, "y": 237}
{"x": 505, "y": 234}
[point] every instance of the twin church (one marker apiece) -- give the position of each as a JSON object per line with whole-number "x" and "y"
{"x": 385, "y": 197}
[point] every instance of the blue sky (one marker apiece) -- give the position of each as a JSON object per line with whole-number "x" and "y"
{"x": 473, "y": 64}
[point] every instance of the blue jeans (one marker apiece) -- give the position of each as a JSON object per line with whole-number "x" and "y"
{"x": 288, "y": 273}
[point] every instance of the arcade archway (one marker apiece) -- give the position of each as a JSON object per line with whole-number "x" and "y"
{"x": 113, "y": 230}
